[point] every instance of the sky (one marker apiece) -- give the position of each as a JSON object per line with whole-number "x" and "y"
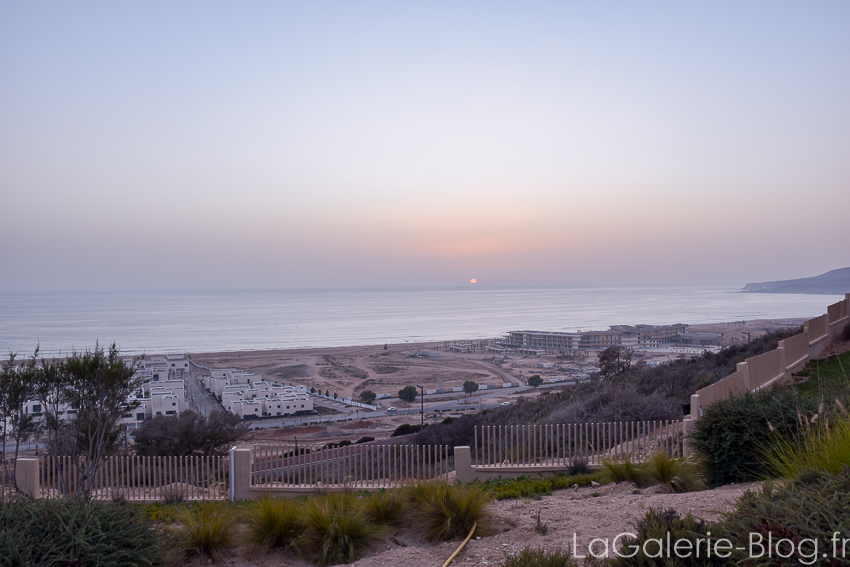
{"x": 195, "y": 145}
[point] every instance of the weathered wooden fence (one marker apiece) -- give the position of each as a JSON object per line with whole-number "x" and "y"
{"x": 563, "y": 444}
{"x": 354, "y": 466}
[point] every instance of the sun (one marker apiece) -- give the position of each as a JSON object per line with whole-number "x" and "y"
{"x": 473, "y": 280}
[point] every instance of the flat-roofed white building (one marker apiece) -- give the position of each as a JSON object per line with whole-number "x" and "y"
{"x": 247, "y": 409}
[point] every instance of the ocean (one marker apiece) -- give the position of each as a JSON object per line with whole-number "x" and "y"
{"x": 211, "y": 321}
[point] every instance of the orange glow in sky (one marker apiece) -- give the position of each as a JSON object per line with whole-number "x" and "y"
{"x": 473, "y": 280}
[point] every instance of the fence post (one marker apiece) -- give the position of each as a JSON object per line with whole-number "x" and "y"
{"x": 782, "y": 365}
{"x": 695, "y": 409}
{"x": 744, "y": 369}
{"x": 463, "y": 465}
{"x": 240, "y": 473}
{"x": 26, "y": 476}
{"x": 687, "y": 428}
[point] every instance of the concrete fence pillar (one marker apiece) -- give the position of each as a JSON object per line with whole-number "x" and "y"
{"x": 240, "y": 474}
{"x": 695, "y": 408}
{"x": 783, "y": 367}
{"x": 745, "y": 374}
{"x": 463, "y": 464}
{"x": 26, "y": 476}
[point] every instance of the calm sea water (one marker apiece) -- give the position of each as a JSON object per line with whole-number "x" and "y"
{"x": 203, "y": 321}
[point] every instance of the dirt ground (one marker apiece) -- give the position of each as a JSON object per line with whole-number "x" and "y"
{"x": 583, "y": 514}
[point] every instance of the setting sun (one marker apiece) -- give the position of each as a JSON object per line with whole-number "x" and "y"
{"x": 473, "y": 280}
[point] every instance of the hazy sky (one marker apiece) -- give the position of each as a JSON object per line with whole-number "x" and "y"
{"x": 272, "y": 144}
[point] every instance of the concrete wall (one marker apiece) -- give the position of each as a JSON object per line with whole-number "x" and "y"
{"x": 776, "y": 366}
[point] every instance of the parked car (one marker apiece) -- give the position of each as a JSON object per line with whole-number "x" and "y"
{"x": 392, "y": 408}
{"x": 506, "y": 403}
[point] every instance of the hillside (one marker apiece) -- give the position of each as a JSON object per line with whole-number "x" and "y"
{"x": 833, "y": 282}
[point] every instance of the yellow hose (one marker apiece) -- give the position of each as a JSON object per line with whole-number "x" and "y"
{"x": 458, "y": 550}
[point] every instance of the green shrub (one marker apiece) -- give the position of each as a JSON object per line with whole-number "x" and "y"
{"x": 387, "y": 507}
{"x": 813, "y": 508}
{"x": 620, "y": 471}
{"x": 446, "y": 512}
{"x": 524, "y": 487}
{"x": 656, "y": 524}
{"x": 540, "y": 558}
{"x": 731, "y": 434}
{"x": 75, "y": 532}
{"x": 274, "y": 522}
{"x": 678, "y": 475}
{"x": 338, "y": 529}
{"x": 208, "y": 529}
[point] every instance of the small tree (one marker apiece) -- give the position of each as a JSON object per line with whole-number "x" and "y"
{"x": 98, "y": 385}
{"x": 15, "y": 391}
{"x": 189, "y": 434}
{"x": 614, "y": 360}
{"x": 470, "y": 387}
{"x": 408, "y": 394}
{"x": 535, "y": 380}
{"x": 368, "y": 396}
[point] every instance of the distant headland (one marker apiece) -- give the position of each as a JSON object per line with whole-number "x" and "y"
{"x": 833, "y": 282}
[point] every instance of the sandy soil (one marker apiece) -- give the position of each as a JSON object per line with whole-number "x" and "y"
{"x": 586, "y": 513}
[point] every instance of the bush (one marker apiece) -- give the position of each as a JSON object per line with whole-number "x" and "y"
{"x": 578, "y": 466}
{"x": 731, "y": 434}
{"x": 446, "y": 512}
{"x": 189, "y": 434}
{"x": 813, "y": 507}
{"x": 173, "y": 494}
{"x": 338, "y": 529}
{"x": 524, "y": 487}
{"x": 76, "y": 532}
{"x": 406, "y": 429}
{"x": 540, "y": 558}
{"x": 621, "y": 471}
{"x": 678, "y": 475}
{"x": 387, "y": 507}
{"x": 208, "y": 529}
{"x": 274, "y": 522}
{"x": 656, "y": 525}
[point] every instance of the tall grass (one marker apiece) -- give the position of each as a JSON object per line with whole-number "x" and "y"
{"x": 621, "y": 471}
{"x": 678, "y": 475}
{"x": 445, "y": 512}
{"x": 387, "y": 507}
{"x": 208, "y": 529}
{"x": 824, "y": 447}
{"x": 337, "y": 529}
{"x": 274, "y": 522}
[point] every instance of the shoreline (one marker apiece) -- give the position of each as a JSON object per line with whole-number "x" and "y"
{"x": 756, "y": 324}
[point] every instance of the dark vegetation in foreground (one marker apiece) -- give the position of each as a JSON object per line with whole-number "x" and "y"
{"x": 638, "y": 394}
{"x": 740, "y": 439}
